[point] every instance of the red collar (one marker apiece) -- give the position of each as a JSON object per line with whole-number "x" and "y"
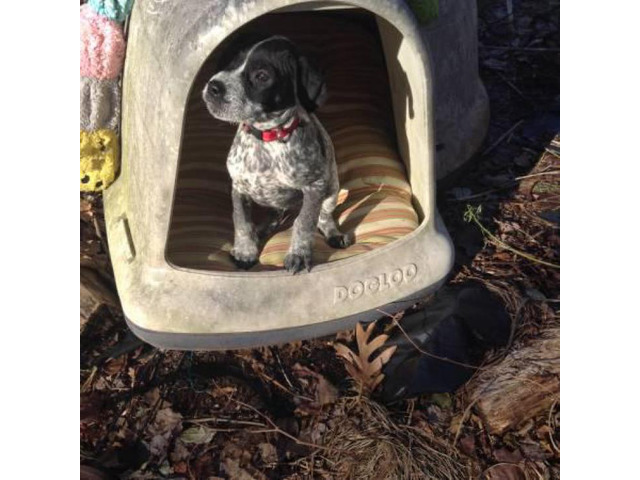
{"x": 278, "y": 133}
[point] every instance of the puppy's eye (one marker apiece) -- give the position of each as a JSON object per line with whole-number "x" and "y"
{"x": 261, "y": 76}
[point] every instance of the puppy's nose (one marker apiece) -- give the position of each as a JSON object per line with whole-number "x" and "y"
{"x": 215, "y": 88}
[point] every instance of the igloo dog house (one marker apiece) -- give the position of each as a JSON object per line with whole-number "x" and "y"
{"x": 169, "y": 213}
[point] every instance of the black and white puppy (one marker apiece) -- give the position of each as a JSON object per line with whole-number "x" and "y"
{"x": 281, "y": 156}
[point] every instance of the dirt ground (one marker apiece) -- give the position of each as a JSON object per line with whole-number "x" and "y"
{"x": 277, "y": 412}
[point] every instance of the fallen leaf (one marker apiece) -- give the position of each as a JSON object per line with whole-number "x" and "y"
{"x": 165, "y": 469}
{"x": 345, "y": 335}
{"x": 86, "y": 210}
{"x": 166, "y": 420}
{"x": 543, "y": 431}
{"x": 455, "y": 424}
{"x": 180, "y": 452}
{"x": 443, "y": 400}
{"x": 504, "y": 472}
{"x": 468, "y": 444}
{"x": 158, "y": 445}
{"x": 318, "y": 433}
{"x": 365, "y": 371}
{"x": 268, "y": 453}
{"x": 507, "y": 456}
{"x": 165, "y": 424}
{"x": 180, "y": 467}
{"x": 232, "y": 467}
{"x": 114, "y": 365}
{"x": 325, "y": 392}
{"x": 534, "y": 451}
{"x": 197, "y": 435}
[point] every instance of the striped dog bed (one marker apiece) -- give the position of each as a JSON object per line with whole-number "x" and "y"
{"x": 375, "y": 198}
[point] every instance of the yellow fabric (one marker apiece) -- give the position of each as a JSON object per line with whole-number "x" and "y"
{"x": 99, "y": 160}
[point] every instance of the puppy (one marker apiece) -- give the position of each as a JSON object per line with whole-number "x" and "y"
{"x": 281, "y": 156}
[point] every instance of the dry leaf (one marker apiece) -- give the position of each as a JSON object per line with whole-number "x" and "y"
{"x": 507, "y": 456}
{"x": 268, "y": 453}
{"x": 454, "y": 426}
{"x": 180, "y": 467}
{"x": 468, "y": 444}
{"x": 86, "y": 210}
{"x": 166, "y": 423}
{"x": 179, "y": 453}
{"x": 114, "y": 365}
{"x": 235, "y": 471}
{"x": 504, "y": 471}
{"x": 366, "y": 371}
{"x": 324, "y": 392}
{"x": 166, "y": 420}
{"x": 345, "y": 335}
{"x": 197, "y": 435}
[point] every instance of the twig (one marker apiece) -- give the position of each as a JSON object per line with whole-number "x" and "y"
{"x": 553, "y": 442}
{"x": 412, "y": 406}
{"x": 513, "y": 87}
{"x": 89, "y": 380}
{"x": 554, "y": 172}
{"x": 424, "y": 352}
{"x": 275, "y": 428}
{"x": 502, "y": 137}
{"x": 283, "y": 388}
{"x": 283, "y": 371}
{"x": 225, "y": 420}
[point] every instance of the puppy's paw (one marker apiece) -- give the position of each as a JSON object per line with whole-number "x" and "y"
{"x": 244, "y": 260}
{"x": 342, "y": 240}
{"x": 294, "y": 262}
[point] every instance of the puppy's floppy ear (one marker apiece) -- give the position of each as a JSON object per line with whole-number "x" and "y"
{"x": 312, "y": 90}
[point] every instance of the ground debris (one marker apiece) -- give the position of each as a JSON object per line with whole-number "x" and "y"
{"x": 287, "y": 412}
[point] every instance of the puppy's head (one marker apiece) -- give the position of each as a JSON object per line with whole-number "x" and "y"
{"x": 263, "y": 82}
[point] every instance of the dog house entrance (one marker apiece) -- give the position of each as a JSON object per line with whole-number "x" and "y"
{"x": 376, "y": 203}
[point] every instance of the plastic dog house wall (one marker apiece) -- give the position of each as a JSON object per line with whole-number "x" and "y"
{"x": 176, "y": 306}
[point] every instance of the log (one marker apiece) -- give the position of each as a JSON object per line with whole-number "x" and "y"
{"x": 525, "y": 384}
{"x": 94, "y": 292}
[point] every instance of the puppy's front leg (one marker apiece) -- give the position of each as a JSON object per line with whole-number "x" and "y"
{"x": 245, "y": 242}
{"x": 299, "y": 255}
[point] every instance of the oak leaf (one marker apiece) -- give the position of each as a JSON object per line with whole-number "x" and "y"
{"x": 366, "y": 371}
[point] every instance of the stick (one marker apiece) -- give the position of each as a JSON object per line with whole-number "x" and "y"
{"x": 502, "y": 137}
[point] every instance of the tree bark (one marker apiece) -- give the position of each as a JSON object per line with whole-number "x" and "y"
{"x": 522, "y": 386}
